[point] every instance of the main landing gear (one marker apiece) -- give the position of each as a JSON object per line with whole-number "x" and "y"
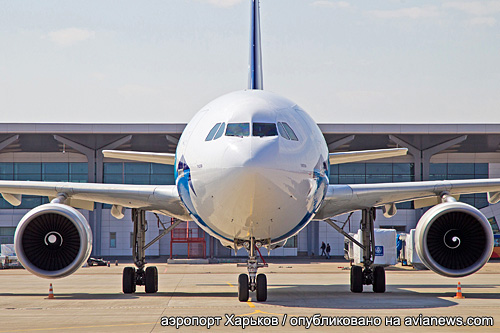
{"x": 133, "y": 277}
{"x": 368, "y": 274}
{"x": 252, "y": 281}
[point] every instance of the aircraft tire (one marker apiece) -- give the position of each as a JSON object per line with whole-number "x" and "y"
{"x": 261, "y": 287}
{"x": 128, "y": 282}
{"x": 151, "y": 280}
{"x": 356, "y": 279}
{"x": 379, "y": 279}
{"x": 243, "y": 289}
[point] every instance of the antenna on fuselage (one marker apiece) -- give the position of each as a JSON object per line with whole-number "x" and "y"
{"x": 255, "y": 68}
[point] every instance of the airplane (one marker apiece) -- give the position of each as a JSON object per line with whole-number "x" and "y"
{"x": 251, "y": 169}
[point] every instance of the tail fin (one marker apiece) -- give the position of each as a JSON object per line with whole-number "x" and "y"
{"x": 255, "y": 70}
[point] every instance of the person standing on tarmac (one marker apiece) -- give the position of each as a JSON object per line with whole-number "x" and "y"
{"x": 328, "y": 251}
{"x": 323, "y": 247}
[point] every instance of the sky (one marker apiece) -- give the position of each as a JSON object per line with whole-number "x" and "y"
{"x": 158, "y": 61}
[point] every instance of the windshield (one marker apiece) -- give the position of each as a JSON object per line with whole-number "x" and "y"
{"x": 219, "y": 132}
{"x": 264, "y": 129}
{"x": 212, "y": 132}
{"x": 238, "y": 129}
{"x": 282, "y": 131}
{"x": 290, "y": 132}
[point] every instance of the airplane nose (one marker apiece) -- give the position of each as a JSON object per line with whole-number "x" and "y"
{"x": 251, "y": 152}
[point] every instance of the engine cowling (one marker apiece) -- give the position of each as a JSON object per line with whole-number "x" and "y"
{"x": 454, "y": 239}
{"x": 53, "y": 240}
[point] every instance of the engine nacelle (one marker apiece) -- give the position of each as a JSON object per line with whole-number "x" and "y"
{"x": 53, "y": 240}
{"x": 454, "y": 239}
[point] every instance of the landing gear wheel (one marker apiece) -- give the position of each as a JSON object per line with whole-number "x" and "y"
{"x": 151, "y": 280}
{"x": 356, "y": 279}
{"x": 261, "y": 288}
{"x": 379, "y": 279}
{"x": 128, "y": 281}
{"x": 243, "y": 287}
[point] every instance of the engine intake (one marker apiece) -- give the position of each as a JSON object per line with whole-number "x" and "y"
{"x": 454, "y": 239}
{"x": 53, "y": 240}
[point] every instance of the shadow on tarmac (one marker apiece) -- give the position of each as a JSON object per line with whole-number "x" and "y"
{"x": 313, "y": 296}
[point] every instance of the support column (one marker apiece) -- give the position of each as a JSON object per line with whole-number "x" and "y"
{"x": 90, "y": 154}
{"x": 172, "y": 139}
{"x": 429, "y": 152}
{"x": 7, "y": 142}
{"x": 335, "y": 144}
{"x": 315, "y": 228}
{"x": 415, "y": 152}
{"x": 99, "y": 179}
{"x": 309, "y": 239}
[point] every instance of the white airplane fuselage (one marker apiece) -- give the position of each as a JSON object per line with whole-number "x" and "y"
{"x": 252, "y": 185}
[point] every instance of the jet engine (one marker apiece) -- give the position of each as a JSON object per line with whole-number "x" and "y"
{"x": 53, "y": 240}
{"x": 454, "y": 239}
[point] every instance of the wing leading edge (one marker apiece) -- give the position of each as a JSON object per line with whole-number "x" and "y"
{"x": 163, "y": 199}
{"x": 342, "y": 199}
{"x": 365, "y": 155}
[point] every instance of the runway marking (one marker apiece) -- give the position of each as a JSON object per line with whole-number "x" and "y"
{"x": 250, "y": 304}
{"x": 230, "y": 284}
{"x": 75, "y": 327}
{"x": 259, "y": 311}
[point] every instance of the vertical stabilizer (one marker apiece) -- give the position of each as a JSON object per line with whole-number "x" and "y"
{"x": 255, "y": 69}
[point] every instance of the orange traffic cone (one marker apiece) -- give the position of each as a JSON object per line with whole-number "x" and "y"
{"x": 51, "y": 292}
{"x": 459, "y": 291}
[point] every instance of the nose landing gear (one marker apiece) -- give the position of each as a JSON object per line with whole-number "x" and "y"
{"x": 252, "y": 281}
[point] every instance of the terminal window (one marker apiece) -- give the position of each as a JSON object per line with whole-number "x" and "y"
{"x": 291, "y": 242}
{"x": 7, "y": 235}
{"x": 112, "y": 240}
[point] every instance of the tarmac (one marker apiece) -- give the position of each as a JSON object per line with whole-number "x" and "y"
{"x": 306, "y": 293}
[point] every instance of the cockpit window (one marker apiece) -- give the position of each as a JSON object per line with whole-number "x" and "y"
{"x": 238, "y": 129}
{"x": 264, "y": 129}
{"x": 220, "y": 131}
{"x": 282, "y": 131}
{"x": 212, "y": 132}
{"x": 290, "y": 132}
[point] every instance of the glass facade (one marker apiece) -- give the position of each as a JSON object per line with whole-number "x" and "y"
{"x": 50, "y": 172}
{"x": 365, "y": 173}
{"x": 7, "y": 235}
{"x": 138, "y": 173}
{"x": 162, "y": 174}
{"x": 454, "y": 171}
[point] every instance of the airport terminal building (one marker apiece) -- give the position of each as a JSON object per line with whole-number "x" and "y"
{"x": 73, "y": 152}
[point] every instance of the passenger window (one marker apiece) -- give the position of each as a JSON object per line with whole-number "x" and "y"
{"x": 238, "y": 129}
{"x": 282, "y": 131}
{"x": 264, "y": 129}
{"x": 220, "y": 131}
{"x": 290, "y": 132}
{"x": 212, "y": 132}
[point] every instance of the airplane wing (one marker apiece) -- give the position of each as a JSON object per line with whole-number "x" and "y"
{"x": 163, "y": 198}
{"x": 161, "y": 158}
{"x": 365, "y": 155}
{"x": 342, "y": 199}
